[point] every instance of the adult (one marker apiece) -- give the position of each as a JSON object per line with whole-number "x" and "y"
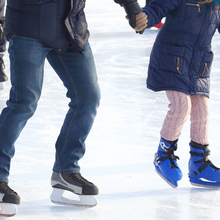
{"x": 56, "y": 31}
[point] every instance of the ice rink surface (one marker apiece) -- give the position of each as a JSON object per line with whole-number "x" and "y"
{"x": 124, "y": 138}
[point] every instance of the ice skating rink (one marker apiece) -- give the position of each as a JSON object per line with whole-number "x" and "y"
{"x": 124, "y": 138}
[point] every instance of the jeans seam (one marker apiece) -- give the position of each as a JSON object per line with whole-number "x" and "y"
{"x": 70, "y": 125}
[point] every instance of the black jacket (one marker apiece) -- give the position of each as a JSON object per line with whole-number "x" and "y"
{"x": 56, "y": 23}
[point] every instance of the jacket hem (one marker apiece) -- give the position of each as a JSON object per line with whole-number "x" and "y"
{"x": 176, "y": 89}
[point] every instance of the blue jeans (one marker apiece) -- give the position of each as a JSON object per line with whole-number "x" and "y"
{"x": 78, "y": 73}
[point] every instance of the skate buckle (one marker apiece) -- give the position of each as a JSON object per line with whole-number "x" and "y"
{"x": 157, "y": 159}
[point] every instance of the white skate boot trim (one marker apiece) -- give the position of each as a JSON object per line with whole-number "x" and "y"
{"x": 163, "y": 146}
{"x": 208, "y": 181}
{"x": 84, "y": 200}
{"x": 75, "y": 189}
{"x": 8, "y": 210}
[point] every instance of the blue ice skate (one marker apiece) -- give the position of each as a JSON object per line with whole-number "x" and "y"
{"x": 165, "y": 163}
{"x": 201, "y": 170}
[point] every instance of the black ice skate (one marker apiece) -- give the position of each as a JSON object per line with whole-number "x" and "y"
{"x": 3, "y": 76}
{"x": 76, "y": 184}
{"x": 9, "y": 200}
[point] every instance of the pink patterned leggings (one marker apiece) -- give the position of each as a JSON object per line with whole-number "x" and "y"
{"x": 181, "y": 105}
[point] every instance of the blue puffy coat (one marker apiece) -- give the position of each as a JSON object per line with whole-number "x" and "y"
{"x": 181, "y": 57}
{"x": 56, "y": 23}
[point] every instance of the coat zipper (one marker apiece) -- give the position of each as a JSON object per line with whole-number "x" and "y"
{"x": 195, "y": 5}
{"x": 178, "y": 65}
{"x": 205, "y": 68}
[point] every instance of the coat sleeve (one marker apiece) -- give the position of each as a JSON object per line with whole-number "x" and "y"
{"x": 159, "y": 9}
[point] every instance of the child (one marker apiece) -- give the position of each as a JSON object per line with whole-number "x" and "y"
{"x": 180, "y": 64}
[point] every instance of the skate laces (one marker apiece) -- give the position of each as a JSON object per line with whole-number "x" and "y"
{"x": 204, "y": 159}
{"x": 169, "y": 156}
{"x": 77, "y": 177}
{"x": 4, "y": 188}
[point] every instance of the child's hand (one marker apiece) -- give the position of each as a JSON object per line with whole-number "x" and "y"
{"x": 141, "y": 22}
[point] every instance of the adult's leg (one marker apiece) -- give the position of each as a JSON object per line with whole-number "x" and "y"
{"x": 78, "y": 73}
{"x": 27, "y": 62}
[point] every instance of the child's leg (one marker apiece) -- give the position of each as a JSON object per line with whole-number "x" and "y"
{"x": 165, "y": 160}
{"x": 180, "y": 106}
{"x": 199, "y": 119}
{"x": 201, "y": 170}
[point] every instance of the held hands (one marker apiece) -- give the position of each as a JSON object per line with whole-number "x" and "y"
{"x": 134, "y": 15}
{"x": 141, "y": 22}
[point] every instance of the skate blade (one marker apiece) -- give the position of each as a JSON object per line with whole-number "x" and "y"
{"x": 205, "y": 186}
{"x": 84, "y": 200}
{"x": 8, "y": 210}
{"x": 165, "y": 179}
